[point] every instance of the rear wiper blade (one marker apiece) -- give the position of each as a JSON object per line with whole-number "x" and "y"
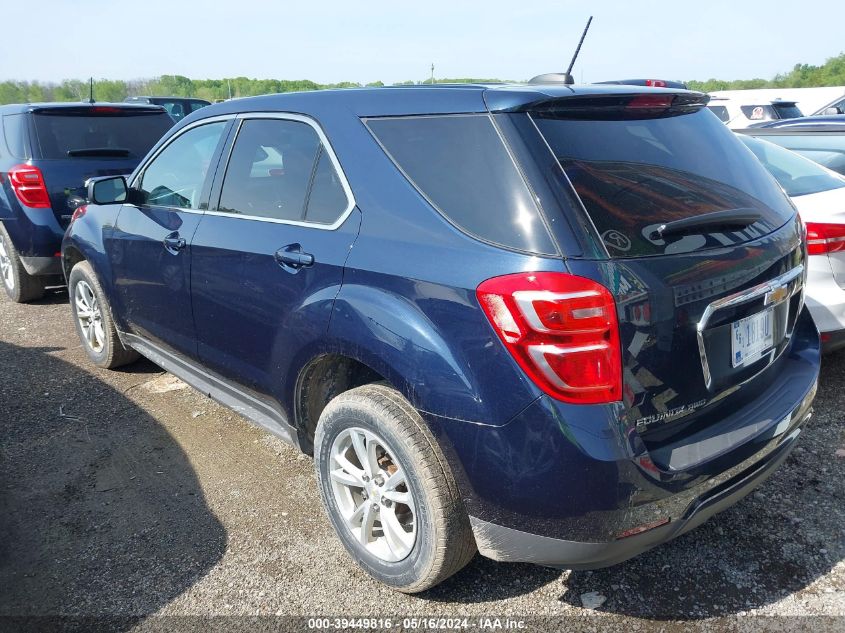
{"x": 99, "y": 151}
{"x": 728, "y": 220}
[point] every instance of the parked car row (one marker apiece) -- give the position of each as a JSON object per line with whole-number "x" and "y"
{"x": 550, "y": 323}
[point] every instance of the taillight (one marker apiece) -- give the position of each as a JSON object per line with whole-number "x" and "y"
{"x": 650, "y": 102}
{"x": 655, "y": 83}
{"x": 824, "y": 238}
{"x": 561, "y": 329}
{"x": 28, "y": 184}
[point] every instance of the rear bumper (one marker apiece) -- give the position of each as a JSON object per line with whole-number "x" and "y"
{"x": 562, "y": 485}
{"x": 35, "y": 233}
{"x": 826, "y": 302}
{"x": 507, "y": 544}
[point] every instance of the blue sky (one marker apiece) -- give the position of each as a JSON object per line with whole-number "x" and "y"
{"x": 330, "y": 41}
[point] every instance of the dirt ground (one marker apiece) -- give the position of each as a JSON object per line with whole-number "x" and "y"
{"x": 127, "y": 494}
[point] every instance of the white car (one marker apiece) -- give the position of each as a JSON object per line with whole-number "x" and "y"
{"x": 819, "y": 194}
{"x": 738, "y": 114}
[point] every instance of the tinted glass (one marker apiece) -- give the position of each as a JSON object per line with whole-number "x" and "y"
{"x": 462, "y": 166}
{"x": 14, "y": 131}
{"x": 116, "y": 135}
{"x": 196, "y": 105}
{"x": 758, "y": 112}
{"x": 787, "y": 111}
{"x": 797, "y": 175}
{"x": 720, "y": 111}
{"x": 270, "y": 169}
{"x": 177, "y": 109}
{"x": 634, "y": 175}
{"x": 175, "y": 178}
{"x": 327, "y": 200}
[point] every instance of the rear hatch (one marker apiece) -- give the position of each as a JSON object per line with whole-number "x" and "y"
{"x": 698, "y": 244}
{"x": 72, "y": 144}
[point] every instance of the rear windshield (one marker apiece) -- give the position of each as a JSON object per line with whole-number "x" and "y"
{"x": 124, "y": 135}
{"x": 787, "y": 110}
{"x": 634, "y": 175}
{"x": 797, "y": 175}
{"x": 461, "y": 165}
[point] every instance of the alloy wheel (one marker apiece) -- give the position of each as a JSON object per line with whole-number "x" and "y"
{"x": 6, "y": 266}
{"x": 372, "y": 493}
{"x": 89, "y": 315}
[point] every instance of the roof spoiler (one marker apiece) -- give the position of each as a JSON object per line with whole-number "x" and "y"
{"x": 635, "y": 105}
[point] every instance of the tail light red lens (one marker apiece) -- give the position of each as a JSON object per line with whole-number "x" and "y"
{"x": 655, "y": 83}
{"x": 29, "y": 187}
{"x": 650, "y": 102}
{"x": 824, "y": 238}
{"x": 562, "y": 330}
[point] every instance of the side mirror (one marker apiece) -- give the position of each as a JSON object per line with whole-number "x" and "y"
{"x": 107, "y": 190}
{"x": 832, "y": 110}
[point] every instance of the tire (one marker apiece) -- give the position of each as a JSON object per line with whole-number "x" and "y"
{"x": 94, "y": 324}
{"x": 19, "y": 285}
{"x": 436, "y": 539}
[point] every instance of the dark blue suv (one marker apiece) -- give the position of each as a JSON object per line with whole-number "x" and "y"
{"x": 555, "y": 324}
{"x": 47, "y": 151}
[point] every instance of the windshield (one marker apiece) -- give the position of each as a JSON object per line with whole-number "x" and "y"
{"x": 797, "y": 175}
{"x": 634, "y": 175}
{"x": 110, "y": 135}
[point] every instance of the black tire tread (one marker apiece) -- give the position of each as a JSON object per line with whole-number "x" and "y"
{"x": 27, "y": 287}
{"x": 455, "y": 544}
{"x": 116, "y": 354}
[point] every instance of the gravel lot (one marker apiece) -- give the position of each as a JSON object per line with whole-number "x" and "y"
{"x": 128, "y": 494}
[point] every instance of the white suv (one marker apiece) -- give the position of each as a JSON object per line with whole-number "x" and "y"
{"x": 741, "y": 114}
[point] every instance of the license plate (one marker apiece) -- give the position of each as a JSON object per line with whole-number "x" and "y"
{"x": 751, "y": 337}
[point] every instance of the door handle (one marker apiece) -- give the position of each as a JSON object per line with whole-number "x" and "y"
{"x": 292, "y": 256}
{"x": 174, "y": 243}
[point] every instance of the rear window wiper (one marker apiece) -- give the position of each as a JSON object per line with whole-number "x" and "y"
{"x": 728, "y": 220}
{"x": 119, "y": 152}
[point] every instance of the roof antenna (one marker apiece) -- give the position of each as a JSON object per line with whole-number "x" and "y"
{"x": 568, "y": 77}
{"x": 564, "y": 78}
{"x": 91, "y": 90}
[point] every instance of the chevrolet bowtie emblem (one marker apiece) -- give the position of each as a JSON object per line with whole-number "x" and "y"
{"x": 776, "y": 296}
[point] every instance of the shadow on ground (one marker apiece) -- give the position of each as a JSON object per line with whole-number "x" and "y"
{"x": 100, "y": 510}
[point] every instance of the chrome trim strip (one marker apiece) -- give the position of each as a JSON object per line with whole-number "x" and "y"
{"x": 350, "y": 198}
{"x": 738, "y": 298}
{"x": 140, "y": 172}
{"x": 749, "y": 294}
{"x": 347, "y": 190}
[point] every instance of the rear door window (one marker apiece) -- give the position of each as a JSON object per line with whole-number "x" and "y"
{"x": 461, "y": 165}
{"x": 633, "y": 175}
{"x": 107, "y": 132}
{"x": 280, "y": 169}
